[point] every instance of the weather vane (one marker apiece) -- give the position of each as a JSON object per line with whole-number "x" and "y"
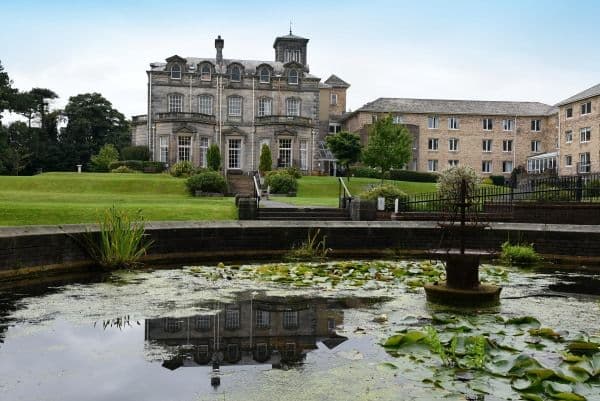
{"x": 290, "y": 27}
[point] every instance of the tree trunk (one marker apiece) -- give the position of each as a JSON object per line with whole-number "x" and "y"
{"x": 348, "y": 172}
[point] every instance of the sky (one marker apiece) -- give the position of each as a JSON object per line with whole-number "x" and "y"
{"x": 523, "y": 50}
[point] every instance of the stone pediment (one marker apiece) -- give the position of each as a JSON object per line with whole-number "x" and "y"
{"x": 286, "y": 132}
{"x": 234, "y": 131}
{"x": 185, "y": 129}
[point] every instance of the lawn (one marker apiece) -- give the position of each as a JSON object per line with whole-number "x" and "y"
{"x": 63, "y": 198}
{"x": 323, "y": 191}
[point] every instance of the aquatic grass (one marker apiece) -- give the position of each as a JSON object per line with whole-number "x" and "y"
{"x": 314, "y": 248}
{"x": 519, "y": 255}
{"x": 121, "y": 241}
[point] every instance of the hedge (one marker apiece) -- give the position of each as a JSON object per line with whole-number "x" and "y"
{"x": 414, "y": 176}
{"x": 135, "y": 153}
{"x": 207, "y": 181}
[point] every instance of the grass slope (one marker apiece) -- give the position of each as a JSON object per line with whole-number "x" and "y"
{"x": 63, "y": 198}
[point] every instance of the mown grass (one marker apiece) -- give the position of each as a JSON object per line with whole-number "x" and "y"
{"x": 65, "y": 198}
{"x": 323, "y": 191}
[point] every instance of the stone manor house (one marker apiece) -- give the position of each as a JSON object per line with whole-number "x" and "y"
{"x": 241, "y": 105}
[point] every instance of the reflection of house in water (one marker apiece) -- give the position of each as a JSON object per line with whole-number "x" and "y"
{"x": 249, "y": 331}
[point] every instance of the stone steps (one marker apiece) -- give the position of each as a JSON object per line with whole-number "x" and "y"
{"x": 240, "y": 184}
{"x": 318, "y": 214}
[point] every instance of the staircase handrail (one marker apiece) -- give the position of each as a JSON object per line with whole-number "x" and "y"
{"x": 257, "y": 188}
{"x": 343, "y": 193}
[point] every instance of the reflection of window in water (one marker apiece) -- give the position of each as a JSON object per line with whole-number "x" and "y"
{"x": 290, "y": 319}
{"x": 233, "y": 352}
{"x": 331, "y": 324}
{"x": 263, "y": 318}
{"x": 262, "y": 352}
{"x": 290, "y": 350}
{"x": 172, "y": 325}
{"x": 202, "y": 322}
{"x": 203, "y": 356}
{"x": 232, "y": 317}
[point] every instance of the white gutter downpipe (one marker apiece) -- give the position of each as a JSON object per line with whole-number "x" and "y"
{"x": 149, "y": 117}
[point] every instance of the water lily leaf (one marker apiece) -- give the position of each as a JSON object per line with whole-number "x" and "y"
{"x": 552, "y": 388}
{"x": 523, "y": 322}
{"x": 388, "y": 365}
{"x": 571, "y": 375}
{"x": 522, "y": 364}
{"x": 569, "y": 396}
{"x": 532, "y": 397}
{"x": 590, "y": 366}
{"x": 400, "y": 340}
{"x": 583, "y": 347}
{"x": 545, "y": 332}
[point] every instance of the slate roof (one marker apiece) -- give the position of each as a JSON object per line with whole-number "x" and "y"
{"x": 289, "y": 37}
{"x": 590, "y": 92}
{"x": 474, "y": 107}
{"x": 336, "y": 82}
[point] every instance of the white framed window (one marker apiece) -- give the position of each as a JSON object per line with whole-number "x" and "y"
{"x": 486, "y": 145}
{"x": 175, "y": 103}
{"x": 486, "y": 166}
{"x": 205, "y": 72}
{"x": 569, "y": 136}
{"x": 184, "y": 148}
{"x": 293, "y": 77}
{"x": 263, "y": 318}
{"x": 432, "y": 143}
{"x": 234, "y": 150}
{"x": 453, "y": 123}
{"x": 234, "y": 106}
{"x": 163, "y": 144}
{"x": 453, "y": 144}
{"x": 334, "y": 128}
{"x": 292, "y": 106}
{"x": 432, "y": 165}
{"x": 297, "y": 56}
{"x": 507, "y": 145}
{"x": 172, "y": 325}
{"x": 285, "y": 152}
{"x": 232, "y": 317}
{"x": 585, "y": 135}
{"x": 398, "y": 119}
{"x": 265, "y": 106}
{"x": 433, "y": 122}
{"x": 452, "y": 163}
{"x": 586, "y": 108}
{"x": 264, "y": 75}
{"x": 536, "y": 125}
{"x": 536, "y": 146}
{"x": 568, "y": 160}
{"x": 569, "y": 112}
{"x": 487, "y": 124}
{"x": 303, "y": 154}
{"x": 290, "y": 319}
{"x": 235, "y": 73}
{"x": 175, "y": 71}
{"x": 203, "y": 150}
{"x": 202, "y": 322}
{"x": 205, "y": 104}
{"x": 507, "y": 124}
{"x": 507, "y": 166}
{"x": 585, "y": 165}
{"x": 333, "y": 98}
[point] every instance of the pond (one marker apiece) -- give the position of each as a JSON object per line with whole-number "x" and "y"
{"x": 330, "y": 331}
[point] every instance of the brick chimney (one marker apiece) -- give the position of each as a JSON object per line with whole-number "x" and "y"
{"x": 219, "y": 44}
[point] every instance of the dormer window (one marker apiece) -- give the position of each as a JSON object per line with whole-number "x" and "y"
{"x": 236, "y": 73}
{"x": 176, "y": 71}
{"x": 293, "y": 77}
{"x": 264, "y": 75}
{"x": 205, "y": 73}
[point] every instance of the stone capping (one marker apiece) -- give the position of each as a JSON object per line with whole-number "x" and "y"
{"x": 34, "y": 249}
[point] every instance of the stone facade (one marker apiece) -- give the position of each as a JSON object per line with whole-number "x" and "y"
{"x": 238, "y": 105}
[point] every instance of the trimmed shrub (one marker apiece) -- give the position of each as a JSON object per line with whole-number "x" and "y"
{"x": 294, "y": 172}
{"x": 281, "y": 182}
{"x": 266, "y": 160}
{"x": 123, "y": 169}
{"x": 137, "y": 165}
{"x": 153, "y": 167}
{"x": 213, "y": 157}
{"x": 388, "y": 191}
{"x": 549, "y": 193}
{"x": 107, "y": 154}
{"x": 592, "y": 188}
{"x": 135, "y": 153}
{"x": 365, "y": 172}
{"x": 498, "y": 180}
{"x": 487, "y": 181}
{"x": 413, "y": 176}
{"x": 206, "y": 181}
{"x": 520, "y": 255}
{"x": 182, "y": 169}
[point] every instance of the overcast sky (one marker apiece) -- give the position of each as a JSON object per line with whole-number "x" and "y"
{"x": 492, "y": 50}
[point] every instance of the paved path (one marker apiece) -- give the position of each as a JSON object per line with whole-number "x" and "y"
{"x": 282, "y": 205}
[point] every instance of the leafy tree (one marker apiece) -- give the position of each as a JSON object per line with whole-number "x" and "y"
{"x": 135, "y": 153}
{"x": 108, "y": 154}
{"x": 346, "y": 148}
{"x": 6, "y": 91}
{"x": 266, "y": 161}
{"x": 390, "y": 146}
{"x": 213, "y": 157}
{"x": 92, "y": 123}
{"x": 17, "y": 155}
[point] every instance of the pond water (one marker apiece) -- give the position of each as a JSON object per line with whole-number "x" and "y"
{"x": 284, "y": 331}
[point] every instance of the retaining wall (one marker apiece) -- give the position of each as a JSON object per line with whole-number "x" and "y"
{"x": 25, "y": 250}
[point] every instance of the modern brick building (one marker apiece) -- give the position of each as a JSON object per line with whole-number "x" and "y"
{"x": 493, "y": 137}
{"x": 239, "y": 105}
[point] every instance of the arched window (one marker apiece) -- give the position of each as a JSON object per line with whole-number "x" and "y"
{"x": 265, "y": 106}
{"x": 292, "y": 106}
{"x": 205, "y": 73}
{"x": 236, "y": 73}
{"x": 265, "y": 75}
{"x": 205, "y": 104}
{"x": 293, "y": 77}
{"x": 176, "y": 71}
